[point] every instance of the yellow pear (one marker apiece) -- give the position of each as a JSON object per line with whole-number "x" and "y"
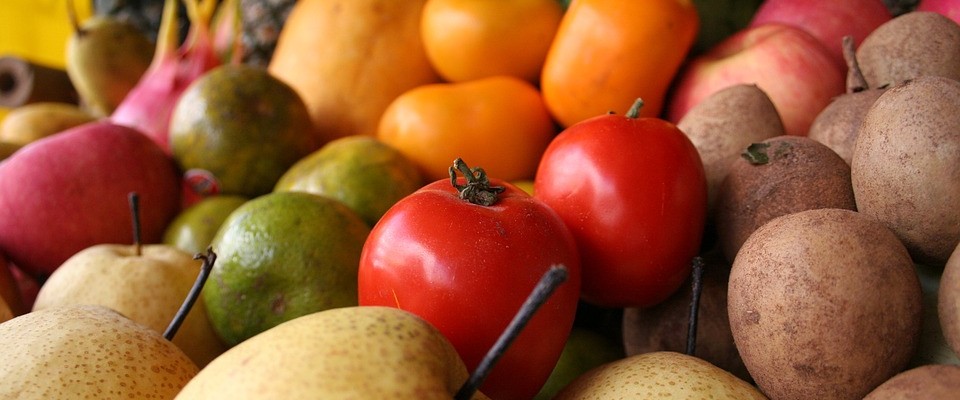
{"x": 147, "y": 288}
{"x": 88, "y": 352}
{"x": 359, "y": 352}
{"x": 34, "y": 121}
{"x": 657, "y": 375}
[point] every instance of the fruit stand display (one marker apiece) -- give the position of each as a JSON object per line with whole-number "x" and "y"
{"x": 475, "y": 199}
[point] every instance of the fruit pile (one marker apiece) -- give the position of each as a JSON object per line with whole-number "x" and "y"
{"x": 474, "y": 199}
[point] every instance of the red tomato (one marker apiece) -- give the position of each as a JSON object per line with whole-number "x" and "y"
{"x": 633, "y": 192}
{"x": 467, "y": 268}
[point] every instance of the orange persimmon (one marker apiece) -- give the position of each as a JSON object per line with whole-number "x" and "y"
{"x": 472, "y": 39}
{"x": 607, "y": 53}
{"x": 498, "y": 123}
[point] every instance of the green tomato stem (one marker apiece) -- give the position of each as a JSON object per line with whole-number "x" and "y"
{"x": 477, "y": 190}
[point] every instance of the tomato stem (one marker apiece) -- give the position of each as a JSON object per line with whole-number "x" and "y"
{"x": 634, "y": 111}
{"x": 549, "y": 282}
{"x": 697, "y": 278}
{"x": 208, "y": 259}
{"x": 477, "y": 190}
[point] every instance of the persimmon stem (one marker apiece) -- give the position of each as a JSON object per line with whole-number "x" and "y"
{"x": 634, "y": 111}
{"x": 477, "y": 189}
{"x": 549, "y": 282}
{"x": 208, "y": 260}
{"x": 697, "y": 278}
{"x": 134, "y": 200}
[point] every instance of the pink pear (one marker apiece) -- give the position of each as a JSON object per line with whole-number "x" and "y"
{"x": 828, "y": 21}
{"x": 789, "y": 64}
{"x": 67, "y": 192}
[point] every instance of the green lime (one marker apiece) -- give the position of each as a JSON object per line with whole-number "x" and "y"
{"x": 192, "y": 230}
{"x": 364, "y": 173}
{"x": 244, "y": 126}
{"x": 585, "y": 349}
{"x": 280, "y": 256}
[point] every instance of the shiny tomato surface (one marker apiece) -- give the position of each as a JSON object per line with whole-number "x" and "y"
{"x": 633, "y": 192}
{"x": 468, "y": 268}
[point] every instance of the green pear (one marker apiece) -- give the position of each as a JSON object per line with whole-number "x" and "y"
{"x": 360, "y": 352}
{"x": 105, "y": 58}
{"x": 33, "y": 121}
{"x": 148, "y": 288}
{"x": 585, "y": 349}
{"x": 657, "y": 375}
{"x": 88, "y": 352}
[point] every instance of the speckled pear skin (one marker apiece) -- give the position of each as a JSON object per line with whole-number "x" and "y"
{"x": 361, "y": 352}
{"x": 659, "y": 375}
{"x": 88, "y": 352}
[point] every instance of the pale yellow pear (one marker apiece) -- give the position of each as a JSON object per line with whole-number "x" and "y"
{"x": 360, "y": 352}
{"x": 148, "y": 288}
{"x": 656, "y": 375}
{"x": 88, "y": 352}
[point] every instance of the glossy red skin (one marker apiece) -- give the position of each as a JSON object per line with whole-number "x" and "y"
{"x": 467, "y": 269}
{"x": 633, "y": 192}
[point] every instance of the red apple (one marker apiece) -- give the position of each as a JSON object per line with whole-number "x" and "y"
{"x": 828, "y": 21}
{"x": 789, "y": 64}
{"x": 949, "y": 8}
{"x": 67, "y": 192}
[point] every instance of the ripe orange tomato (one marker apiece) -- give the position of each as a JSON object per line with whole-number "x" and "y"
{"x": 498, "y": 122}
{"x": 472, "y": 39}
{"x": 606, "y": 53}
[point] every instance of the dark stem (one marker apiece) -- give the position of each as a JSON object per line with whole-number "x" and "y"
{"x": 549, "y": 282}
{"x": 477, "y": 190}
{"x": 74, "y": 19}
{"x": 208, "y": 260}
{"x": 134, "y": 199}
{"x": 756, "y": 153}
{"x": 856, "y": 82}
{"x": 697, "y": 278}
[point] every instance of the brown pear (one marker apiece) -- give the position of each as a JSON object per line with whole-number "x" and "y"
{"x": 908, "y": 46}
{"x": 663, "y": 327}
{"x": 722, "y": 125}
{"x": 775, "y": 177}
{"x": 837, "y": 124}
{"x": 948, "y": 302}
{"x": 924, "y": 382}
{"x": 905, "y": 168}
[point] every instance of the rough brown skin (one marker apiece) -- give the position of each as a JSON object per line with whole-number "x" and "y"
{"x": 903, "y": 48}
{"x": 948, "y": 302}
{"x": 924, "y": 382}
{"x": 725, "y": 123}
{"x": 905, "y": 169}
{"x": 663, "y": 327}
{"x": 836, "y": 125}
{"x": 824, "y": 304}
{"x": 801, "y": 174}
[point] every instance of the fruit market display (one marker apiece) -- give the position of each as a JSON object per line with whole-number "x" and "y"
{"x": 476, "y": 199}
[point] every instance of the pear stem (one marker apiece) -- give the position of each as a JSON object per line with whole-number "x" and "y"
{"x": 549, "y": 282}
{"x": 134, "y": 199}
{"x": 74, "y": 19}
{"x": 697, "y": 278}
{"x": 856, "y": 82}
{"x": 208, "y": 260}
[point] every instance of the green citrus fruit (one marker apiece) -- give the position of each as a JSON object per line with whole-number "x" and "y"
{"x": 585, "y": 350}
{"x": 280, "y": 256}
{"x": 244, "y": 126}
{"x": 364, "y": 173}
{"x": 192, "y": 230}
